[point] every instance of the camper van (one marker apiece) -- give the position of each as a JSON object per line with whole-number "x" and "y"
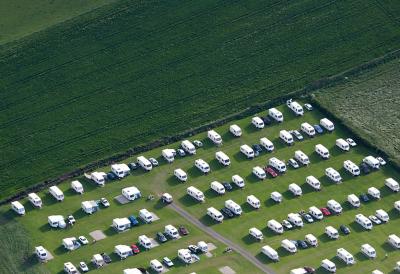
{"x": 315, "y": 212}
{"x": 327, "y": 124}
{"x": 41, "y": 253}
{"x": 311, "y": 240}
{"x": 332, "y": 232}
{"x": 368, "y": 251}
{"x": 202, "y": 245}
{"x": 392, "y": 184}
{"x": 121, "y": 224}
{"x": 56, "y": 221}
{"x": 277, "y": 164}
{"x": 35, "y": 200}
{"x": 238, "y": 181}
{"x": 397, "y": 205}
{"x": 188, "y": 147}
{"x": 295, "y": 219}
{"x": 222, "y": 158}
{"x": 144, "y": 241}
{"x": 334, "y": 206}
{"x": 328, "y": 265}
{"x": 202, "y": 165}
{"x": 275, "y": 114}
{"x": 195, "y": 193}
{"x": 180, "y": 174}
{"x": 301, "y": 157}
{"x": 144, "y": 163}
{"x": 267, "y": 144}
{"x": 295, "y": 189}
{"x": 98, "y": 260}
{"x": 56, "y": 193}
{"x": 259, "y": 172}
{"x": 168, "y": 154}
{"x": 256, "y": 233}
{"x": 289, "y": 246}
{"x": 77, "y": 186}
{"x": 270, "y": 253}
{"x": 146, "y": 216}
{"x": 308, "y": 129}
{"x": 185, "y": 256}
{"x": 89, "y": 207}
{"x": 171, "y": 231}
{"x": 131, "y": 193}
{"x": 345, "y": 256}
{"x": 275, "y": 226}
{"x": 285, "y": 136}
{"x": 218, "y": 187}
{"x": 313, "y": 182}
{"x": 98, "y": 178}
{"x": 363, "y": 221}
{"x": 394, "y": 241}
{"x": 70, "y": 268}
{"x": 382, "y": 215}
{"x": 156, "y": 266}
{"x": 322, "y": 151}
{"x": 371, "y": 161}
{"x": 235, "y": 130}
{"x": 353, "y": 200}
{"x": 18, "y": 208}
{"x": 247, "y": 151}
{"x": 333, "y": 174}
{"x": 257, "y": 122}
{"x": 374, "y": 193}
{"x": 253, "y": 201}
{"x": 351, "y": 167}
{"x": 276, "y": 196}
{"x": 234, "y": 207}
{"x": 295, "y": 107}
{"x": 123, "y": 251}
{"x": 214, "y": 137}
{"x": 120, "y": 170}
{"x": 342, "y": 144}
{"x": 215, "y": 214}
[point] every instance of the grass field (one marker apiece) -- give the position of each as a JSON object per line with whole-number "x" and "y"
{"x": 160, "y": 179}
{"x": 123, "y": 76}
{"x": 369, "y": 104}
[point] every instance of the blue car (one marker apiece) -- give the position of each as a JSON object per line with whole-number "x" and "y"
{"x": 133, "y": 220}
{"x": 318, "y": 129}
{"x": 257, "y": 148}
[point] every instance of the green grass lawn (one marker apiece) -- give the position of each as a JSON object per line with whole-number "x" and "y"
{"x": 135, "y": 71}
{"x": 160, "y": 179}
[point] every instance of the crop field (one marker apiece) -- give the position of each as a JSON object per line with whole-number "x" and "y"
{"x": 135, "y": 71}
{"x": 370, "y": 104}
{"x": 161, "y": 180}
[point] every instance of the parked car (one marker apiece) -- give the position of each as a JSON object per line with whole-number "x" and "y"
{"x": 309, "y": 270}
{"x": 194, "y": 249}
{"x": 375, "y": 219}
{"x": 287, "y": 225}
{"x": 111, "y": 176}
{"x": 198, "y": 143}
{"x": 83, "y": 267}
{"x": 269, "y": 170}
{"x": 344, "y": 229}
{"x": 195, "y": 257}
{"x": 382, "y": 162}
{"x": 257, "y": 148}
{"x": 296, "y": 134}
{"x": 365, "y": 168}
{"x": 167, "y": 262}
{"x": 83, "y": 240}
{"x": 153, "y": 161}
{"x": 181, "y": 152}
{"x": 267, "y": 121}
{"x": 161, "y": 237}
{"x": 132, "y": 166}
{"x": 227, "y": 212}
{"x": 293, "y": 163}
{"x": 133, "y": 220}
{"x": 104, "y": 202}
{"x": 364, "y": 197}
{"x": 325, "y": 211}
{"x": 182, "y": 230}
{"x": 302, "y": 244}
{"x": 135, "y": 249}
{"x": 71, "y": 220}
{"x": 295, "y": 243}
{"x": 227, "y": 186}
{"x": 307, "y": 217}
{"x": 308, "y": 107}
{"x": 106, "y": 258}
{"x": 318, "y": 129}
{"x": 351, "y": 142}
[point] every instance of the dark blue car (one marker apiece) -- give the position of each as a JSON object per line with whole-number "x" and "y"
{"x": 133, "y": 220}
{"x": 318, "y": 129}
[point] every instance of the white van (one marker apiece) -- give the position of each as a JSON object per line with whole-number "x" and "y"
{"x": 394, "y": 241}
{"x": 120, "y": 170}
{"x": 144, "y": 163}
{"x": 77, "y": 186}
{"x": 315, "y": 212}
{"x": 382, "y": 215}
{"x": 35, "y": 200}
{"x": 195, "y": 193}
{"x": 214, "y": 137}
{"x": 18, "y": 207}
{"x": 70, "y": 268}
{"x": 351, "y": 167}
{"x": 188, "y": 147}
{"x": 234, "y": 207}
{"x": 156, "y": 266}
{"x": 322, "y": 151}
{"x": 308, "y": 129}
{"x": 371, "y": 161}
{"x": 333, "y": 174}
{"x": 374, "y": 192}
{"x": 256, "y": 233}
{"x": 368, "y": 251}
{"x": 247, "y": 151}
{"x": 311, "y": 240}
{"x": 334, "y": 206}
{"x": 275, "y": 226}
{"x": 238, "y": 181}
{"x": 168, "y": 154}
{"x": 41, "y": 253}
{"x": 275, "y": 114}
{"x": 397, "y": 205}
{"x": 345, "y": 256}
{"x": 144, "y": 241}
{"x": 301, "y": 157}
{"x": 235, "y": 130}
{"x": 218, "y": 187}
{"x": 267, "y": 144}
{"x": 363, "y": 221}
{"x": 257, "y": 122}
{"x": 171, "y": 231}
{"x": 353, "y": 200}
{"x": 270, "y": 253}
{"x": 222, "y": 158}
{"x": 185, "y": 256}
{"x": 180, "y": 174}
{"x": 259, "y": 172}
{"x": 56, "y": 193}
{"x": 392, "y": 184}
{"x": 276, "y": 196}
{"x": 146, "y": 215}
{"x": 342, "y": 144}
{"x": 285, "y": 136}
{"x": 98, "y": 178}
{"x": 332, "y": 232}
{"x": 289, "y": 246}
{"x": 295, "y": 107}
{"x": 277, "y": 164}
{"x": 328, "y": 265}
{"x": 313, "y": 182}
{"x": 295, "y": 219}
{"x": 202, "y": 165}
{"x": 327, "y": 124}
{"x": 295, "y": 189}
{"x": 253, "y": 201}
{"x": 215, "y": 214}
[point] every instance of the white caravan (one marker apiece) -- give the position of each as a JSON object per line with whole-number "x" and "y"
{"x": 351, "y": 167}
{"x": 382, "y": 215}
{"x": 188, "y": 147}
{"x": 168, "y": 154}
{"x": 171, "y": 231}
{"x": 77, "y": 186}
{"x": 315, "y": 212}
{"x": 123, "y": 251}
{"x": 257, "y": 122}
{"x": 222, "y": 158}
{"x": 371, "y": 161}
{"x": 322, "y": 151}
{"x": 35, "y": 200}
{"x": 202, "y": 165}
{"x": 57, "y": 221}
{"x": 18, "y": 207}
{"x": 215, "y": 214}
{"x": 120, "y": 170}
{"x": 89, "y": 207}
{"x": 180, "y": 174}
{"x": 334, "y": 206}
{"x": 363, "y": 221}
{"x": 333, "y": 174}
{"x": 313, "y": 182}
{"x": 275, "y": 226}
{"x": 270, "y": 253}
{"x": 195, "y": 193}
{"x": 374, "y": 192}
{"x": 345, "y": 256}
{"x": 295, "y": 107}
{"x": 342, "y": 144}
{"x": 295, "y": 219}
{"x": 277, "y": 164}
{"x": 237, "y": 180}
{"x": 332, "y": 232}
{"x": 308, "y": 129}
{"x": 214, "y": 137}
{"x": 289, "y": 246}
{"x": 121, "y": 224}
{"x": 235, "y": 130}
{"x": 185, "y": 256}
{"x": 275, "y": 114}
{"x": 328, "y": 265}
{"x": 144, "y": 163}
{"x": 392, "y": 184}
{"x": 41, "y": 253}
{"x": 256, "y": 233}
{"x": 253, "y": 201}
{"x": 267, "y": 144}
{"x": 156, "y": 266}
{"x": 98, "y": 178}
{"x": 276, "y": 196}
{"x": 368, "y": 251}
{"x": 327, "y": 124}
{"x": 259, "y": 172}
{"x": 247, "y": 151}
{"x": 218, "y": 187}
{"x": 131, "y": 193}
{"x": 56, "y": 193}
{"x": 397, "y": 205}
{"x": 70, "y": 268}
{"x": 353, "y": 200}
{"x": 295, "y": 189}
{"x": 301, "y": 157}
{"x": 394, "y": 241}
{"x": 311, "y": 240}
{"x": 285, "y": 136}
{"x": 146, "y": 216}
{"x": 144, "y": 241}
{"x": 234, "y": 207}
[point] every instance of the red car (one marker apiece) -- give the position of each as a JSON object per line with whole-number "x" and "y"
{"x": 270, "y": 171}
{"x": 325, "y": 211}
{"x": 183, "y": 231}
{"x": 135, "y": 249}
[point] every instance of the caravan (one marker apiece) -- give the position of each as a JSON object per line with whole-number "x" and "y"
{"x": 267, "y": 144}
{"x": 382, "y": 215}
{"x": 35, "y": 200}
{"x": 295, "y": 219}
{"x": 285, "y": 136}
{"x": 171, "y": 231}
{"x": 328, "y": 265}
{"x": 295, "y": 107}
{"x": 18, "y": 207}
{"x": 235, "y": 130}
{"x": 322, "y": 151}
{"x": 368, "y": 251}
{"x": 222, "y": 158}
{"x": 315, "y": 212}
{"x": 276, "y": 196}
{"x": 131, "y": 193}
{"x": 41, "y": 253}
{"x": 397, "y": 205}
{"x": 185, "y": 256}
{"x": 123, "y": 251}
{"x": 295, "y": 189}
{"x": 144, "y": 163}
{"x": 394, "y": 241}
{"x": 214, "y": 137}
{"x": 275, "y": 226}
{"x": 289, "y": 246}
{"x": 180, "y": 174}
{"x": 301, "y": 157}
{"x": 363, "y": 221}
{"x": 308, "y": 129}
{"x": 121, "y": 224}
{"x": 311, "y": 240}
{"x": 188, "y": 147}
{"x": 169, "y": 154}
{"x": 234, "y": 207}
{"x": 120, "y": 170}
{"x": 334, "y": 206}
{"x": 270, "y": 253}
{"x": 56, "y": 193}
{"x": 238, "y": 181}
{"x": 98, "y": 178}
{"x": 342, "y": 144}
{"x": 156, "y": 266}
{"x": 259, "y": 172}
{"x": 215, "y": 214}
{"x": 327, "y": 124}
{"x": 345, "y": 256}
{"x": 277, "y": 164}
{"x": 56, "y": 221}
{"x": 70, "y": 243}
{"x": 218, "y": 187}
{"x": 195, "y": 193}
{"x": 257, "y": 122}
{"x": 374, "y": 193}
{"x": 202, "y": 165}
{"x": 313, "y": 182}
{"x": 392, "y": 184}
{"x": 371, "y": 161}
{"x": 89, "y": 207}
{"x": 275, "y": 114}
{"x": 351, "y": 167}
{"x": 256, "y": 233}
{"x": 70, "y": 268}
{"x": 247, "y": 151}
{"x": 353, "y": 200}
{"x": 77, "y": 186}
{"x": 144, "y": 241}
{"x": 146, "y": 216}
{"x": 253, "y": 201}
{"x": 333, "y": 175}
{"x": 332, "y": 232}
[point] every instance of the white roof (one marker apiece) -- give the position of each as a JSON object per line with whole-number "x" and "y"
{"x": 120, "y": 167}
{"x": 34, "y": 196}
{"x": 89, "y": 204}
{"x": 76, "y": 184}
{"x": 235, "y": 127}
{"x": 132, "y": 271}
{"x": 56, "y": 190}
{"x": 180, "y": 171}
{"x": 131, "y": 190}
{"x": 122, "y": 248}
{"x": 17, "y": 204}
{"x": 55, "y": 218}
{"x": 98, "y": 175}
{"x": 121, "y": 221}
{"x": 255, "y": 230}
{"x": 97, "y": 258}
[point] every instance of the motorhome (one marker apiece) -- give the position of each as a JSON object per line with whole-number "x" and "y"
{"x": 121, "y": 224}
{"x": 334, "y": 206}
{"x": 185, "y": 256}
{"x": 188, "y": 147}
{"x": 394, "y": 241}
{"x": 202, "y": 165}
{"x": 397, "y": 205}
{"x": 123, "y": 251}
{"x": 331, "y": 232}
{"x": 144, "y": 163}
{"x": 368, "y": 251}
{"x": 18, "y": 207}
{"x": 276, "y": 196}
{"x": 351, "y": 167}
{"x": 315, "y": 212}
{"x": 56, "y": 221}
{"x": 333, "y": 174}
{"x": 256, "y": 233}
{"x": 295, "y": 107}
{"x": 392, "y": 184}
{"x": 214, "y": 137}
{"x": 295, "y": 189}
{"x": 41, "y": 253}
{"x": 363, "y": 221}
{"x": 156, "y": 266}
{"x": 353, "y": 200}
{"x": 308, "y": 129}
{"x": 235, "y": 130}
{"x": 285, "y": 136}
{"x": 77, "y": 186}
{"x": 345, "y": 256}
{"x": 328, "y": 265}
{"x": 327, "y": 124}
{"x": 98, "y": 178}
{"x": 195, "y": 193}
{"x": 234, "y": 207}
{"x": 289, "y": 246}
{"x": 120, "y": 170}
{"x": 203, "y": 246}
{"x": 218, "y": 187}
{"x": 277, "y": 164}
{"x": 180, "y": 174}
{"x": 267, "y": 144}
{"x": 253, "y": 201}
{"x": 374, "y": 192}
{"x": 342, "y": 144}
{"x": 313, "y": 182}
{"x": 238, "y": 181}
{"x": 372, "y": 162}
{"x": 295, "y": 219}
{"x": 144, "y": 241}
{"x": 311, "y": 240}
{"x": 322, "y": 151}
{"x": 382, "y": 215}
{"x": 168, "y": 154}
{"x": 70, "y": 243}
{"x": 98, "y": 260}
{"x": 275, "y": 114}
{"x": 259, "y": 172}
{"x": 70, "y": 268}
{"x": 171, "y": 231}
{"x": 167, "y": 198}
{"x": 56, "y": 193}
{"x": 275, "y": 226}
{"x": 247, "y": 151}
{"x": 301, "y": 157}
{"x": 270, "y": 253}
{"x": 146, "y": 215}
{"x": 89, "y": 207}
{"x": 222, "y": 158}
{"x": 131, "y": 193}
{"x": 257, "y": 122}
{"x": 215, "y": 214}
{"x": 35, "y": 200}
